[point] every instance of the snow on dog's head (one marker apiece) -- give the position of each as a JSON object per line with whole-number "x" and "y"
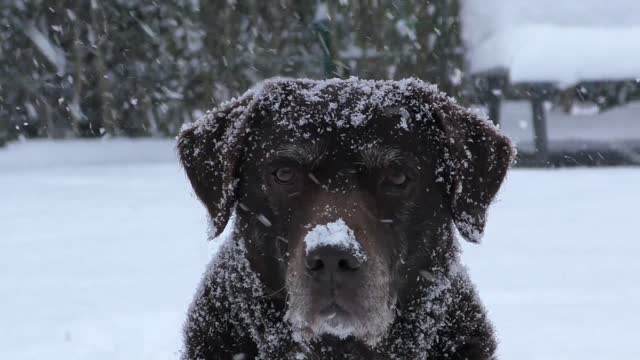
{"x": 380, "y": 169}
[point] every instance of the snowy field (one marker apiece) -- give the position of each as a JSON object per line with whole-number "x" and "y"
{"x": 102, "y": 245}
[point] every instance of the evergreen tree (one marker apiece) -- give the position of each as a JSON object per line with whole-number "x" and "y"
{"x": 139, "y": 67}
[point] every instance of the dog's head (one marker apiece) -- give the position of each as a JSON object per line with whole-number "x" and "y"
{"x": 346, "y": 191}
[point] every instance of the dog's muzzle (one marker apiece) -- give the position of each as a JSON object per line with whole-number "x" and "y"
{"x": 337, "y": 288}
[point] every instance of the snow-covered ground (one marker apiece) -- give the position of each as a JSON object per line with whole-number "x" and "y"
{"x": 96, "y": 261}
{"x": 102, "y": 246}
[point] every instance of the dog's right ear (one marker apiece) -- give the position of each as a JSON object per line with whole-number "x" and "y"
{"x": 210, "y": 151}
{"x": 474, "y": 161}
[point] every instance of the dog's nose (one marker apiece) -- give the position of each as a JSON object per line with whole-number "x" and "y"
{"x": 331, "y": 263}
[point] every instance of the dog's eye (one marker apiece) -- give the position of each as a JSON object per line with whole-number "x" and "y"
{"x": 397, "y": 178}
{"x": 284, "y": 175}
{"x": 395, "y": 181}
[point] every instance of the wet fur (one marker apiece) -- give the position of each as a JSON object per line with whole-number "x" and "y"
{"x": 244, "y": 305}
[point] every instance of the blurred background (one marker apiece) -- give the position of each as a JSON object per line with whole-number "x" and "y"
{"x": 102, "y": 241}
{"x": 558, "y": 76}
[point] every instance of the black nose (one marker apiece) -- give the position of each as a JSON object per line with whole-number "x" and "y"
{"x": 331, "y": 264}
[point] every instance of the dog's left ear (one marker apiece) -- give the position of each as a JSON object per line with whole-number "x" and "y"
{"x": 473, "y": 162}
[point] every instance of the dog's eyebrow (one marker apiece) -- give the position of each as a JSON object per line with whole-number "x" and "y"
{"x": 304, "y": 154}
{"x": 376, "y": 156}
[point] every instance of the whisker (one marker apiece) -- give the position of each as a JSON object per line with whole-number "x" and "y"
{"x": 275, "y": 292}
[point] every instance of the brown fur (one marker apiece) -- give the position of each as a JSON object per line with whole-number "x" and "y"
{"x": 454, "y": 165}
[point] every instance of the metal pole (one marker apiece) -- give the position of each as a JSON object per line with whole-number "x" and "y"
{"x": 541, "y": 139}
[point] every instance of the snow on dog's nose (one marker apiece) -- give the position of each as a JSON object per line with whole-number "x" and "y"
{"x": 334, "y": 234}
{"x": 333, "y": 255}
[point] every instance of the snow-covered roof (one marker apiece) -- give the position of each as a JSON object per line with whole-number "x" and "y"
{"x": 561, "y": 41}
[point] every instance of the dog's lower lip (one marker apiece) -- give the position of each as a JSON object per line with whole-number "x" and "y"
{"x": 333, "y": 310}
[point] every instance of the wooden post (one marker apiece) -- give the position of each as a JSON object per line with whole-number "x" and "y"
{"x": 4, "y": 131}
{"x": 322, "y": 26}
{"x": 541, "y": 140}
{"x": 494, "y": 97}
{"x": 106, "y": 121}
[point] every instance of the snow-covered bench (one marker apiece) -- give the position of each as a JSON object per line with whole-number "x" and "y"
{"x": 534, "y": 49}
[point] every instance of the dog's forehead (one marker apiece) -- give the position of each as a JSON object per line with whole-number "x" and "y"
{"x": 345, "y": 115}
{"x": 316, "y": 138}
{"x": 341, "y": 103}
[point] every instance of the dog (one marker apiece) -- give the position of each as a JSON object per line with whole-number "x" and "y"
{"x": 344, "y": 200}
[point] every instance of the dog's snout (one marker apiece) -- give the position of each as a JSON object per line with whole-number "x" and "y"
{"x": 331, "y": 263}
